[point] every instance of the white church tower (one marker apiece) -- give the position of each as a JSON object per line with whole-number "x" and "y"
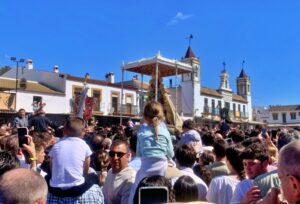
{"x": 190, "y": 97}
{"x": 244, "y": 90}
{"x": 224, "y": 80}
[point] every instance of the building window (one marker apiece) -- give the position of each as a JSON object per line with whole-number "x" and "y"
{"x": 114, "y": 102}
{"x": 244, "y": 109}
{"x": 234, "y": 109}
{"x": 213, "y": 106}
{"x": 299, "y": 113}
{"x": 205, "y": 101}
{"x": 196, "y": 72}
{"x": 37, "y": 99}
{"x": 206, "y": 108}
{"x": 275, "y": 116}
{"x": 219, "y": 104}
{"x": 76, "y": 91}
{"x": 239, "y": 107}
{"x": 213, "y": 103}
{"x": 96, "y": 94}
{"x": 227, "y": 105}
{"x": 293, "y": 116}
{"x": 128, "y": 102}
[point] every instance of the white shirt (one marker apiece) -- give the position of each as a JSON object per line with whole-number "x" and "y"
{"x": 202, "y": 187}
{"x": 221, "y": 189}
{"x": 240, "y": 191}
{"x": 116, "y": 189}
{"x": 68, "y": 156}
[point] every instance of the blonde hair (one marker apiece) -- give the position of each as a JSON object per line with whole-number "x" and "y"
{"x": 153, "y": 111}
{"x": 272, "y": 150}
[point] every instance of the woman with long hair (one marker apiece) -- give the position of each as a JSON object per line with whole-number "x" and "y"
{"x": 221, "y": 188}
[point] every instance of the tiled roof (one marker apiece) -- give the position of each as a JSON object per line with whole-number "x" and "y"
{"x": 215, "y": 93}
{"x": 99, "y": 82}
{"x": 285, "y": 108}
{"x": 210, "y": 92}
{"x": 189, "y": 53}
{"x": 32, "y": 86}
{"x": 239, "y": 98}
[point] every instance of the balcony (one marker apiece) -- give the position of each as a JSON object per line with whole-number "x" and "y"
{"x": 214, "y": 113}
{"x": 124, "y": 109}
{"x": 115, "y": 109}
{"x": 112, "y": 109}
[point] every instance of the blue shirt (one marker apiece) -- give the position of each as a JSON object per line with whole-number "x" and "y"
{"x": 147, "y": 145}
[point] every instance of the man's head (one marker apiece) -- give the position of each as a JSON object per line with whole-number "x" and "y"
{"x": 219, "y": 148}
{"x": 185, "y": 155}
{"x": 237, "y": 136}
{"x": 255, "y": 160}
{"x": 23, "y": 186}
{"x": 119, "y": 155}
{"x": 74, "y": 126}
{"x": 8, "y": 161}
{"x": 288, "y": 171}
{"x": 188, "y": 125}
{"x": 40, "y": 146}
{"x": 21, "y": 113}
{"x": 286, "y": 137}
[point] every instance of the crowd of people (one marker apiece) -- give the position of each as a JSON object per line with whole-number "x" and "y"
{"x": 149, "y": 162}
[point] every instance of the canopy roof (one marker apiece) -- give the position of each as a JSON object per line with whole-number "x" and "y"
{"x": 166, "y": 67}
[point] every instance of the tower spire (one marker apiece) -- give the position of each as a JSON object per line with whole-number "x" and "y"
{"x": 224, "y": 66}
{"x": 190, "y": 39}
{"x": 243, "y": 63}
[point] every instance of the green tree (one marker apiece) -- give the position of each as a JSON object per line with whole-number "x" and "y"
{"x": 4, "y": 69}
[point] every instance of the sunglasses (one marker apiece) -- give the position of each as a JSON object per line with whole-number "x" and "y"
{"x": 113, "y": 154}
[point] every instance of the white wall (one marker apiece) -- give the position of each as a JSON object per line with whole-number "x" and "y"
{"x": 54, "y": 103}
{"x": 288, "y": 117}
{"x": 187, "y": 98}
{"x": 209, "y": 98}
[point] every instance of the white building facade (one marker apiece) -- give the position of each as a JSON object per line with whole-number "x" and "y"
{"x": 58, "y": 91}
{"x": 284, "y": 116}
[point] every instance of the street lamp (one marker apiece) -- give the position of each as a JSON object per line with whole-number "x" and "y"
{"x": 21, "y": 60}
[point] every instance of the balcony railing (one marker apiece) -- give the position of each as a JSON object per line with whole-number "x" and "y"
{"x": 116, "y": 109}
{"x": 207, "y": 110}
{"x": 112, "y": 108}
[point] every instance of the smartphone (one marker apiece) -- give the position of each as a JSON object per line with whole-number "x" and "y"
{"x": 153, "y": 195}
{"x": 22, "y": 132}
{"x": 229, "y": 141}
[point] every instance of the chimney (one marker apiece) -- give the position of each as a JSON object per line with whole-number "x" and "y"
{"x": 110, "y": 77}
{"x": 135, "y": 77}
{"x": 56, "y": 69}
{"x": 29, "y": 64}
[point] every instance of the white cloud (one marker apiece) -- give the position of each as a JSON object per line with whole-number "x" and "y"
{"x": 179, "y": 17}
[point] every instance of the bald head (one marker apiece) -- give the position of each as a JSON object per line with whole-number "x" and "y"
{"x": 289, "y": 159}
{"x": 23, "y": 186}
{"x": 288, "y": 171}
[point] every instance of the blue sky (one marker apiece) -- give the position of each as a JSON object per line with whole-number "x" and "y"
{"x": 96, "y": 36}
